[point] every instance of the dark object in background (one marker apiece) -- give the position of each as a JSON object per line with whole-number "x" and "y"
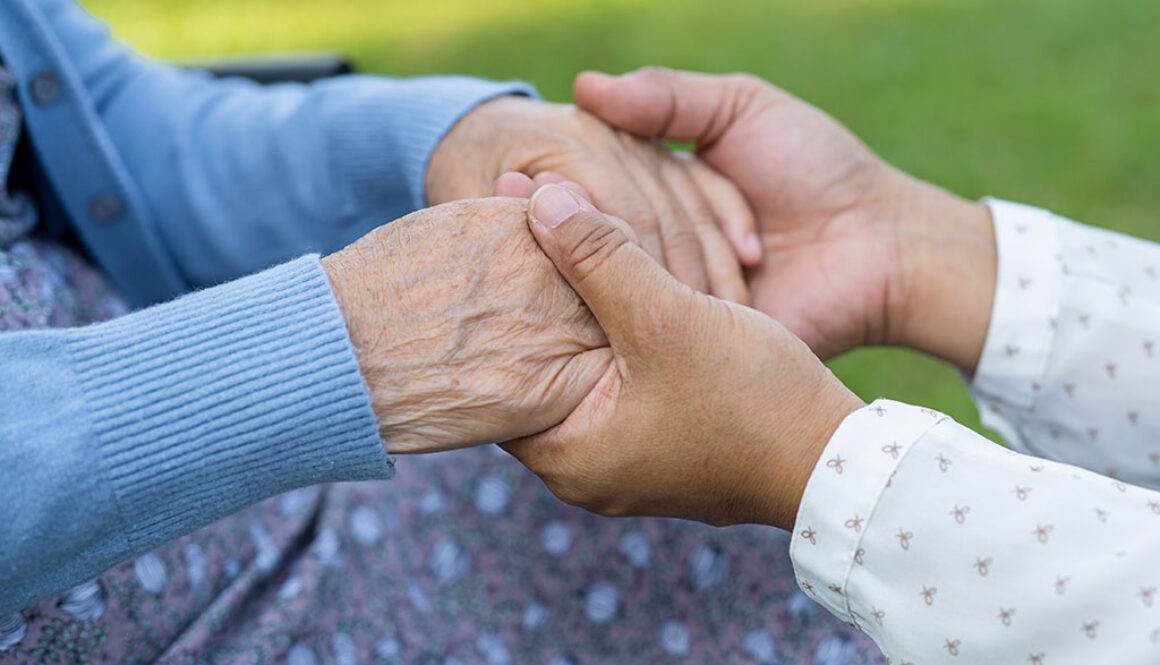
{"x": 279, "y": 68}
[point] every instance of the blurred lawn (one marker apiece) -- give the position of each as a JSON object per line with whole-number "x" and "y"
{"x": 1051, "y": 102}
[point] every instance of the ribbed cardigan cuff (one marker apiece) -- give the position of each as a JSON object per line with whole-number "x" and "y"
{"x": 395, "y": 124}
{"x": 224, "y": 397}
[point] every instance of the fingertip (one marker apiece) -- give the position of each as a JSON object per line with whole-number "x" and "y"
{"x": 513, "y": 184}
{"x": 724, "y": 267}
{"x": 734, "y": 215}
{"x": 736, "y": 220}
{"x": 749, "y": 250}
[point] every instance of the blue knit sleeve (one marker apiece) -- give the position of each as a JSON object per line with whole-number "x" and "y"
{"x": 237, "y": 176}
{"x": 117, "y": 437}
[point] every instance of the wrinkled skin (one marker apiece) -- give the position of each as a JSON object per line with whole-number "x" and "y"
{"x": 708, "y": 411}
{"x": 684, "y": 213}
{"x": 465, "y": 332}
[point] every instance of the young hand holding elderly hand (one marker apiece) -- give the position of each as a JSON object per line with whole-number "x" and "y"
{"x": 627, "y": 390}
{"x": 940, "y": 545}
{"x": 855, "y": 251}
{"x": 709, "y": 410}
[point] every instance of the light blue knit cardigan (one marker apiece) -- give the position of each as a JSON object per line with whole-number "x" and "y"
{"x": 117, "y": 437}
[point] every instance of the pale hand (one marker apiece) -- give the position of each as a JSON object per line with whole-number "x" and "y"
{"x": 465, "y": 332}
{"x": 856, "y": 252}
{"x": 708, "y": 411}
{"x": 684, "y": 213}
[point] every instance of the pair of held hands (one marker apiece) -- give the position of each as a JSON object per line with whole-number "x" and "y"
{"x": 626, "y": 390}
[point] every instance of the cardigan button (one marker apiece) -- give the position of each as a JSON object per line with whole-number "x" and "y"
{"x": 106, "y": 208}
{"x": 45, "y": 88}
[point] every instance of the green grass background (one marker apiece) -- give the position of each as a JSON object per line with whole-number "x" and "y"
{"x": 1051, "y": 102}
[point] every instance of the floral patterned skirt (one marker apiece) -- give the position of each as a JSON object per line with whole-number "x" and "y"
{"x": 463, "y": 558}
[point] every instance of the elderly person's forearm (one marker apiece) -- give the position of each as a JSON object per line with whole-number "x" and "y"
{"x": 445, "y": 329}
{"x": 120, "y": 436}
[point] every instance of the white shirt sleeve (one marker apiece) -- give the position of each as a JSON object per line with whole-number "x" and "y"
{"x": 1071, "y": 367}
{"x": 947, "y": 548}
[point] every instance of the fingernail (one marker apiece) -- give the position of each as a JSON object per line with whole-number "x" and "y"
{"x": 552, "y": 205}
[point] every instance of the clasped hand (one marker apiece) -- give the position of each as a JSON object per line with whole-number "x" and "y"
{"x": 626, "y": 390}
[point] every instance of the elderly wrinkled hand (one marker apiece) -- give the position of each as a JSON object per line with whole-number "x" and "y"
{"x": 464, "y": 330}
{"x": 708, "y": 410}
{"x": 677, "y": 206}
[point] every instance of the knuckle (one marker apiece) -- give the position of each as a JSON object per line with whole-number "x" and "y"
{"x": 592, "y": 247}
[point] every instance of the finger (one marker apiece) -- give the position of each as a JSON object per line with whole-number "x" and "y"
{"x": 529, "y": 450}
{"x": 726, "y": 279}
{"x": 570, "y": 386}
{"x": 619, "y": 282}
{"x": 680, "y": 243}
{"x": 682, "y": 106}
{"x": 513, "y": 184}
{"x": 732, "y": 212}
{"x": 549, "y": 450}
{"x": 716, "y": 260}
{"x": 536, "y": 452}
{"x": 622, "y": 197}
{"x": 519, "y": 185}
{"x": 553, "y": 178}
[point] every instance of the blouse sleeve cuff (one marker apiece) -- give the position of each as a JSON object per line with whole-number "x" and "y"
{"x": 224, "y": 397}
{"x": 840, "y": 497}
{"x": 1027, "y": 294}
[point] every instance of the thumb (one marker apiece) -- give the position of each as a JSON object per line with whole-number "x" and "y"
{"x": 676, "y": 105}
{"x": 594, "y": 252}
